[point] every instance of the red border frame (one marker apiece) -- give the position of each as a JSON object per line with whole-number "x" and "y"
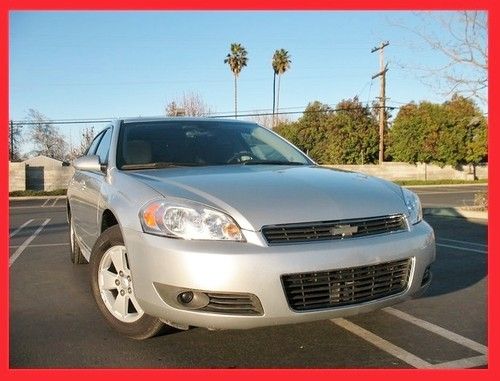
{"x": 227, "y": 374}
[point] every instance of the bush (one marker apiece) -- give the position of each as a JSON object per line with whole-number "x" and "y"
{"x": 481, "y": 200}
{"x": 29, "y": 193}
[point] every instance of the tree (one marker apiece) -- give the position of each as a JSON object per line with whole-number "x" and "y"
{"x": 46, "y": 138}
{"x": 237, "y": 60}
{"x": 464, "y": 140}
{"x": 354, "y": 134}
{"x": 347, "y": 134}
{"x": 461, "y": 42}
{"x": 281, "y": 63}
{"x": 451, "y": 133}
{"x": 268, "y": 120}
{"x": 414, "y": 135}
{"x": 15, "y": 140}
{"x": 313, "y": 128}
{"x": 191, "y": 104}
{"x": 87, "y": 137}
{"x": 290, "y": 130}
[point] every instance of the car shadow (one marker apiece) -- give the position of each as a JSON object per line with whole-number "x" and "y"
{"x": 461, "y": 254}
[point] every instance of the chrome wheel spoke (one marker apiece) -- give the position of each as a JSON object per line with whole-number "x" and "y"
{"x": 121, "y": 304}
{"x": 118, "y": 259}
{"x": 108, "y": 280}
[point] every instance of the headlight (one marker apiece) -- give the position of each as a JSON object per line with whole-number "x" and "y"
{"x": 413, "y": 205}
{"x": 188, "y": 221}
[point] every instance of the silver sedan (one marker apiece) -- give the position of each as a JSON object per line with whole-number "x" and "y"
{"x": 225, "y": 225}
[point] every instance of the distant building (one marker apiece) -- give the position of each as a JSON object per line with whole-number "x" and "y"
{"x": 39, "y": 173}
{"x": 45, "y": 161}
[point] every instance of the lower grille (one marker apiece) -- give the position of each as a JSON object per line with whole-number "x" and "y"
{"x": 427, "y": 275}
{"x": 335, "y": 288}
{"x": 234, "y": 304}
{"x": 330, "y": 230}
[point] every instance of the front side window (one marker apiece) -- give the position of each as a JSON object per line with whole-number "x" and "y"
{"x": 103, "y": 148}
{"x": 202, "y": 143}
{"x": 93, "y": 146}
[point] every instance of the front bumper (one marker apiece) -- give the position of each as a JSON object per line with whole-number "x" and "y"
{"x": 255, "y": 268}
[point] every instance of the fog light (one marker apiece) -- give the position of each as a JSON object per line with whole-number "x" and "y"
{"x": 185, "y": 297}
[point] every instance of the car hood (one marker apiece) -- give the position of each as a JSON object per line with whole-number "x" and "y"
{"x": 265, "y": 195}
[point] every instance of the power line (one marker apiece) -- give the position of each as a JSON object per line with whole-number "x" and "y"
{"x": 61, "y": 121}
{"x": 305, "y": 111}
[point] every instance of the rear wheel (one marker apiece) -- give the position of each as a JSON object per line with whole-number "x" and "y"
{"x": 113, "y": 290}
{"x": 76, "y": 254}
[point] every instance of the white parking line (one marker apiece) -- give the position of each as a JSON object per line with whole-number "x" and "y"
{"x": 410, "y": 358}
{"x": 470, "y": 362}
{"x": 383, "y": 344}
{"x": 462, "y": 248}
{"x": 54, "y": 203}
{"x": 464, "y": 242}
{"x": 25, "y": 244}
{"x": 471, "y": 344}
{"x": 46, "y": 201}
{"x": 41, "y": 245}
{"x": 20, "y": 228}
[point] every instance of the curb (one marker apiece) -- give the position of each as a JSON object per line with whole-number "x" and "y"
{"x": 35, "y": 197}
{"x": 456, "y": 212}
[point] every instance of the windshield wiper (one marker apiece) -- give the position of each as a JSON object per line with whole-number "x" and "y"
{"x": 160, "y": 164}
{"x": 271, "y": 162}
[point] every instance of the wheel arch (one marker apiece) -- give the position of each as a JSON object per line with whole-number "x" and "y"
{"x": 68, "y": 210}
{"x": 108, "y": 219}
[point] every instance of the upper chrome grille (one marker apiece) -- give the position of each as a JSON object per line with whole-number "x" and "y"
{"x": 329, "y": 230}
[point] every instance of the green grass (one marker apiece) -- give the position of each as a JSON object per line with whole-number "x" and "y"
{"x": 439, "y": 182}
{"x": 26, "y": 193}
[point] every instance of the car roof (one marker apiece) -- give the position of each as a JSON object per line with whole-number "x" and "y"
{"x": 182, "y": 119}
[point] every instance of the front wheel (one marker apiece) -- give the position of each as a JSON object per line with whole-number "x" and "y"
{"x": 113, "y": 290}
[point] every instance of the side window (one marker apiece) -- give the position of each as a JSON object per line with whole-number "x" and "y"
{"x": 93, "y": 145}
{"x": 103, "y": 148}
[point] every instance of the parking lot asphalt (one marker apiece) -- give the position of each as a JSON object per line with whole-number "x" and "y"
{"x": 54, "y": 321}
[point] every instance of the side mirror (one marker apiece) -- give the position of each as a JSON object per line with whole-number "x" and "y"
{"x": 88, "y": 163}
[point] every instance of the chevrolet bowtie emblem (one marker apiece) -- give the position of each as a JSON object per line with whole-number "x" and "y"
{"x": 344, "y": 230}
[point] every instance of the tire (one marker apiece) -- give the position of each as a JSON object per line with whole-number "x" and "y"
{"x": 75, "y": 252}
{"x": 112, "y": 288}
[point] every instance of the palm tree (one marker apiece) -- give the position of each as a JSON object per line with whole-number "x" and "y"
{"x": 281, "y": 63}
{"x": 237, "y": 60}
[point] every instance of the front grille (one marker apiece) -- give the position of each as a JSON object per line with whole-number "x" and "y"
{"x": 329, "y": 230}
{"x": 335, "y": 288}
{"x": 234, "y": 304}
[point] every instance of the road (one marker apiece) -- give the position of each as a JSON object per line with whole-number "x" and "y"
{"x": 448, "y": 196}
{"x": 55, "y": 323}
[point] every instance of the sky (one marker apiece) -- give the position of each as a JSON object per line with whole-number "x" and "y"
{"x": 85, "y": 65}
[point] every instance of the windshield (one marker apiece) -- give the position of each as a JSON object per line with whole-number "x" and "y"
{"x": 144, "y": 145}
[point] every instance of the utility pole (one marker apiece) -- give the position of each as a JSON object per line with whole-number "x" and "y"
{"x": 11, "y": 134}
{"x": 382, "y": 114}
